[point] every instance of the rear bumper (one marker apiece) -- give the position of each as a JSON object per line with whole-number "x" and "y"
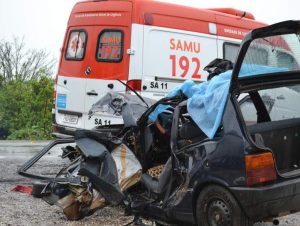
{"x": 63, "y": 130}
{"x": 269, "y": 201}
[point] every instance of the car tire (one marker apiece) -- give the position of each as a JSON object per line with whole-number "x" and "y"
{"x": 37, "y": 189}
{"x": 217, "y": 206}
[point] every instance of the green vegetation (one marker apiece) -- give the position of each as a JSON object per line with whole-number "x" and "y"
{"x": 26, "y": 91}
{"x": 26, "y": 108}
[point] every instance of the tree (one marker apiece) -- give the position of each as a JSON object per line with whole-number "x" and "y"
{"x": 25, "y": 110}
{"x": 19, "y": 63}
{"x": 26, "y": 90}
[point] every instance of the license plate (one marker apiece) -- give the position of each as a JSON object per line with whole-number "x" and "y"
{"x": 71, "y": 119}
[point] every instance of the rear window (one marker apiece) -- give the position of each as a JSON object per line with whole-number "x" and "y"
{"x": 274, "y": 54}
{"x": 257, "y": 56}
{"x": 110, "y": 46}
{"x": 76, "y": 45}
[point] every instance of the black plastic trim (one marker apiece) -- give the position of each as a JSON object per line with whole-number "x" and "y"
{"x": 79, "y": 114}
{"x": 263, "y": 201}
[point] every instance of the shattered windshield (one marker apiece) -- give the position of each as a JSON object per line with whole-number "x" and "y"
{"x": 272, "y": 54}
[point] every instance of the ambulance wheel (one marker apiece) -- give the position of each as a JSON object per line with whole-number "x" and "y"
{"x": 217, "y": 207}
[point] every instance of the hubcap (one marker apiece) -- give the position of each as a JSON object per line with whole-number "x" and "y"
{"x": 218, "y": 214}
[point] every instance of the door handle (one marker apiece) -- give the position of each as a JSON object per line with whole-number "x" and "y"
{"x": 92, "y": 93}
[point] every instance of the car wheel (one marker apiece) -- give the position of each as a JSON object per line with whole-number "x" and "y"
{"x": 37, "y": 189}
{"x": 217, "y": 207}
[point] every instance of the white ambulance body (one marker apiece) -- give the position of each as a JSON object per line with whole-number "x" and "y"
{"x": 151, "y": 46}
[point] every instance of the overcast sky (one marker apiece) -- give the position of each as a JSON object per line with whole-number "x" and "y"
{"x": 42, "y": 23}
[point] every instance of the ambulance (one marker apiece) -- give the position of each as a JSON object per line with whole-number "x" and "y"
{"x": 151, "y": 46}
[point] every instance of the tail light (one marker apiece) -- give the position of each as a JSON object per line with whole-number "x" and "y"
{"x": 260, "y": 168}
{"x": 134, "y": 84}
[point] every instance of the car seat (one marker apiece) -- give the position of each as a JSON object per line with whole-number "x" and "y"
{"x": 158, "y": 186}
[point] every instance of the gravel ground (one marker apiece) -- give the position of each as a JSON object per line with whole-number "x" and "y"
{"x": 22, "y": 209}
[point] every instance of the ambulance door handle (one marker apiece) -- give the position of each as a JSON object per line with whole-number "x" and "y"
{"x": 110, "y": 85}
{"x": 92, "y": 93}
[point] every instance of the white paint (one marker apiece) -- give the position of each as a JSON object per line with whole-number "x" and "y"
{"x": 157, "y": 52}
{"x": 151, "y": 59}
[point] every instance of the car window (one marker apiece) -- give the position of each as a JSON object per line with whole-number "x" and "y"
{"x": 257, "y": 55}
{"x": 248, "y": 111}
{"x": 110, "y": 46}
{"x": 230, "y": 51}
{"x": 76, "y": 45}
{"x": 277, "y": 54}
{"x": 280, "y": 103}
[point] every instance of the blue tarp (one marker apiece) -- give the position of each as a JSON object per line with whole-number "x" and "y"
{"x": 207, "y": 100}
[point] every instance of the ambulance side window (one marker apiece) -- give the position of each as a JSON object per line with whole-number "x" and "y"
{"x": 76, "y": 45}
{"x": 230, "y": 51}
{"x": 110, "y": 46}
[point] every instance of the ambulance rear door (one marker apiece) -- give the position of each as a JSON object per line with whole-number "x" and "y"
{"x": 71, "y": 79}
{"x": 109, "y": 64}
{"x": 94, "y": 58}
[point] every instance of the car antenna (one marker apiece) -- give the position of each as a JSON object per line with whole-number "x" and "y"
{"x": 135, "y": 92}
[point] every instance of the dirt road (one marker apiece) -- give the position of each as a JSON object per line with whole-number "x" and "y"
{"x": 21, "y": 209}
